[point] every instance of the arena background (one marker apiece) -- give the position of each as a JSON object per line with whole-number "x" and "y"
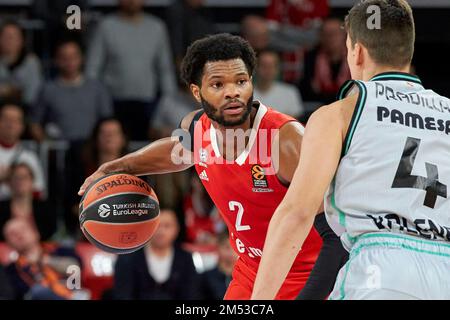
{"x": 65, "y": 161}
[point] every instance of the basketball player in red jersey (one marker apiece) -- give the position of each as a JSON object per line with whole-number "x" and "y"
{"x": 245, "y": 154}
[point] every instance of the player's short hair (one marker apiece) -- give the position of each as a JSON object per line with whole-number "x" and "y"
{"x": 393, "y": 43}
{"x": 219, "y": 47}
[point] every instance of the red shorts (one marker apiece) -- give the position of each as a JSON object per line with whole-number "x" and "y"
{"x": 241, "y": 286}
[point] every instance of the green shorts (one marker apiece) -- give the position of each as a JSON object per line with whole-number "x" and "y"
{"x": 394, "y": 266}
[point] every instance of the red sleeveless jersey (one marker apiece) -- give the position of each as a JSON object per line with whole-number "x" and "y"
{"x": 246, "y": 191}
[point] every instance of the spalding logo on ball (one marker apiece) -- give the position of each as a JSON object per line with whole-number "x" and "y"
{"x": 119, "y": 213}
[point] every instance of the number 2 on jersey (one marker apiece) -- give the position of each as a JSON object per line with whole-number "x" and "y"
{"x": 430, "y": 183}
{"x": 233, "y": 205}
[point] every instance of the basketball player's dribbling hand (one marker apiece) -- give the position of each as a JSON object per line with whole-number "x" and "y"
{"x": 96, "y": 175}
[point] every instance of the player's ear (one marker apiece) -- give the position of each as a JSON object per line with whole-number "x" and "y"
{"x": 359, "y": 54}
{"x": 195, "y": 89}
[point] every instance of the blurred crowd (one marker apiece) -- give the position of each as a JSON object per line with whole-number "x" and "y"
{"x": 109, "y": 88}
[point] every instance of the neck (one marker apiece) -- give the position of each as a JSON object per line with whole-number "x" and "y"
{"x": 160, "y": 251}
{"x": 11, "y": 57}
{"x": 74, "y": 78}
{"x": 22, "y": 199}
{"x": 132, "y": 17}
{"x": 370, "y": 72}
{"x": 7, "y": 143}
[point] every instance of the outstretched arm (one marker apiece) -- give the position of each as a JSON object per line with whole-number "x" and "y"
{"x": 293, "y": 219}
{"x": 162, "y": 156}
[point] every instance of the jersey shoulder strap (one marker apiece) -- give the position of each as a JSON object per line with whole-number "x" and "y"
{"x": 348, "y": 87}
{"x": 188, "y": 144}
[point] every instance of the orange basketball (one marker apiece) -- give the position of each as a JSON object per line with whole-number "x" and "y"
{"x": 119, "y": 213}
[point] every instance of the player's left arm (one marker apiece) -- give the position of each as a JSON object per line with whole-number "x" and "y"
{"x": 294, "y": 217}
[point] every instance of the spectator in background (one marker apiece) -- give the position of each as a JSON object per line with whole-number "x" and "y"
{"x": 12, "y": 151}
{"x": 261, "y": 35}
{"x": 54, "y": 16}
{"x": 38, "y": 273}
{"x": 201, "y": 217}
{"x": 22, "y": 205}
{"x": 130, "y": 52}
{"x": 160, "y": 271}
{"x": 256, "y": 31}
{"x": 276, "y": 94}
{"x": 68, "y": 108}
{"x": 71, "y": 102}
{"x": 171, "y": 111}
{"x": 187, "y": 21}
{"x": 295, "y": 22}
{"x": 6, "y": 290}
{"x": 172, "y": 187}
{"x": 298, "y": 13}
{"x": 20, "y": 71}
{"x": 326, "y": 67}
{"x": 214, "y": 283}
{"x": 107, "y": 142}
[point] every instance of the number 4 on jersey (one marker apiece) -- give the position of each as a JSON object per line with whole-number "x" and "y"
{"x": 430, "y": 183}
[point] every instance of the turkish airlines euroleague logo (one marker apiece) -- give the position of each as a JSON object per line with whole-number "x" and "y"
{"x": 104, "y": 210}
{"x": 258, "y": 172}
{"x": 259, "y": 179}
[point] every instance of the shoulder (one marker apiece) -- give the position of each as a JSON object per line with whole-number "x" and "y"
{"x": 154, "y": 21}
{"x": 94, "y": 83}
{"x": 108, "y": 21}
{"x": 32, "y": 59}
{"x": 338, "y": 113}
{"x": 183, "y": 255}
{"x": 285, "y": 87}
{"x": 292, "y": 130}
{"x": 50, "y": 86}
{"x": 190, "y": 118}
{"x": 274, "y": 119}
{"x": 28, "y": 156}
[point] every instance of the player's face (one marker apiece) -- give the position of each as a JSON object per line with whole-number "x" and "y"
{"x": 226, "y": 92}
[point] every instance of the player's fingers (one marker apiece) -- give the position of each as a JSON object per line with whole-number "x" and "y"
{"x": 87, "y": 182}
{"x": 84, "y": 186}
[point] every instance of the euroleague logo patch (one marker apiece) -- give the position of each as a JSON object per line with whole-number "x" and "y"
{"x": 259, "y": 178}
{"x": 258, "y": 172}
{"x": 104, "y": 210}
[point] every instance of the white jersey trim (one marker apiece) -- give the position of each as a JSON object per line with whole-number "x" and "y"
{"x": 262, "y": 110}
